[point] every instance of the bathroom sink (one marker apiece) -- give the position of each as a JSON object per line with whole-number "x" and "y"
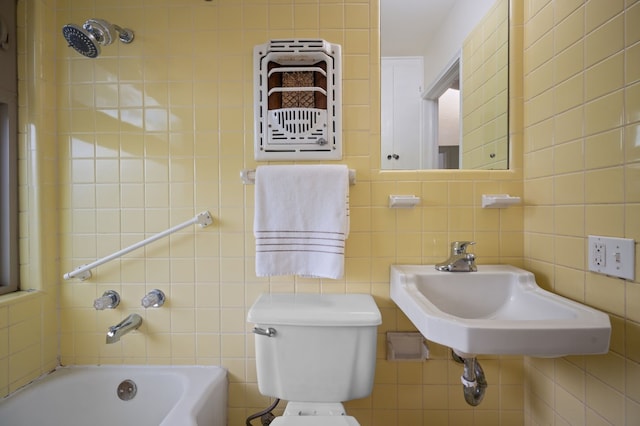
{"x": 500, "y": 309}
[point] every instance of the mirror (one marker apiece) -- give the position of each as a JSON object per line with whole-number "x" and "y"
{"x": 444, "y": 84}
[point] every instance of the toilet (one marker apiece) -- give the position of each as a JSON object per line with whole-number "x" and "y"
{"x": 315, "y": 351}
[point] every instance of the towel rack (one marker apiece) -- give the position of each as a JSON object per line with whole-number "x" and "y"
{"x": 83, "y": 272}
{"x": 248, "y": 176}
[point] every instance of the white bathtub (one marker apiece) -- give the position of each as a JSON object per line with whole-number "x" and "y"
{"x": 88, "y": 396}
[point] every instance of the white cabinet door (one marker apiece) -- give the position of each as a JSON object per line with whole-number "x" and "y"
{"x": 401, "y": 117}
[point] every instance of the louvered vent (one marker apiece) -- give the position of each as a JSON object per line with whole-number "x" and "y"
{"x": 298, "y": 104}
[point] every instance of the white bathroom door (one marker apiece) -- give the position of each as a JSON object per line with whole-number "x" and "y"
{"x": 401, "y": 122}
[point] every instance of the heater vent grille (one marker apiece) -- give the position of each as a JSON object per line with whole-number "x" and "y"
{"x": 298, "y": 100}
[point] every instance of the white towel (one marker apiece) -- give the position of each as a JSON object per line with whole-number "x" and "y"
{"x": 301, "y": 220}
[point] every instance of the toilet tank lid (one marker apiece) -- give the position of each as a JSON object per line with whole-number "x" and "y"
{"x": 315, "y": 310}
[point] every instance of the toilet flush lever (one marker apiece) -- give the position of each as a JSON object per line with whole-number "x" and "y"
{"x": 269, "y": 332}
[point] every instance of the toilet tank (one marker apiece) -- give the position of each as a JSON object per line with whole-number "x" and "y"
{"x": 322, "y": 347}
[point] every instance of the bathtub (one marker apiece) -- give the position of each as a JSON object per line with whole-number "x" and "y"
{"x": 121, "y": 395}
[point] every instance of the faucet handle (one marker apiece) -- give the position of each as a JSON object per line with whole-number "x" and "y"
{"x": 109, "y": 300}
{"x": 460, "y": 247}
{"x": 154, "y": 299}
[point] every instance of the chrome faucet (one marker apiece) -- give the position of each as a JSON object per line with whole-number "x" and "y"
{"x": 130, "y": 323}
{"x": 460, "y": 260}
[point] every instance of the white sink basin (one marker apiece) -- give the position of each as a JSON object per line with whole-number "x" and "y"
{"x": 499, "y": 309}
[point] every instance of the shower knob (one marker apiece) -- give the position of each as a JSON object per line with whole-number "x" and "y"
{"x": 109, "y": 300}
{"x": 154, "y": 299}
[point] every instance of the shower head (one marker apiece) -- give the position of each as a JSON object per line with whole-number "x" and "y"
{"x": 81, "y": 40}
{"x": 88, "y": 38}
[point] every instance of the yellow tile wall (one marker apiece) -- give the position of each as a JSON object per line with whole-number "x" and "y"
{"x": 581, "y": 116}
{"x": 151, "y": 133}
{"x": 28, "y": 319}
{"x": 484, "y": 82}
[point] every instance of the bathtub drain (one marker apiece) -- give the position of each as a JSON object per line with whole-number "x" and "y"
{"x": 127, "y": 390}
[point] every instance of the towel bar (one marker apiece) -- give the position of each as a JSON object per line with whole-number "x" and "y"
{"x": 248, "y": 176}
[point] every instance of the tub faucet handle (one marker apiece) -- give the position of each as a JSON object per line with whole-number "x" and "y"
{"x": 154, "y": 299}
{"x": 109, "y": 300}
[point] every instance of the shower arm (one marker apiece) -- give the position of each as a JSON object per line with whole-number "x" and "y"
{"x": 124, "y": 35}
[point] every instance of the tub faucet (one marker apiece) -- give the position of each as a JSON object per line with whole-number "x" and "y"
{"x": 460, "y": 260}
{"x": 130, "y": 323}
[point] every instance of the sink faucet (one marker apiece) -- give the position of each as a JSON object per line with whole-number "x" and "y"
{"x": 130, "y": 323}
{"x": 460, "y": 260}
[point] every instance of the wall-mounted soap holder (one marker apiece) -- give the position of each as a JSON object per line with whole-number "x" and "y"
{"x": 498, "y": 201}
{"x": 403, "y": 201}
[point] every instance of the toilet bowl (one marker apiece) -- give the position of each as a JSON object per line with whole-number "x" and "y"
{"x": 315, "y": 351}
{"x": 315, "y": 421}
{"x": 315, "y": 413}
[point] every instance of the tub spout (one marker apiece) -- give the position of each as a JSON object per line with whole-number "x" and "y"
{"x": 130, "y": 323}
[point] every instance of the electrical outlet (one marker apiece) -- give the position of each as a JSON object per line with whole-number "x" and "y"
{"x": 612, "y": 256}
{"x": 599, "y": 255}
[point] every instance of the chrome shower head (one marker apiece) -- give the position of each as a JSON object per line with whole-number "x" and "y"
{"x": 94, "y": 33}
{"x": 81, "y": 40}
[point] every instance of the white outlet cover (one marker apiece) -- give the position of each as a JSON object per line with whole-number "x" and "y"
{"x": 612, "y": 256}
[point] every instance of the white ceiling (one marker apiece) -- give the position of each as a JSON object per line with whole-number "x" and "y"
{"x": 406, "y": 25}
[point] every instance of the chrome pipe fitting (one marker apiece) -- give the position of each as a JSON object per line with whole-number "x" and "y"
{"x": 474, "y": 383}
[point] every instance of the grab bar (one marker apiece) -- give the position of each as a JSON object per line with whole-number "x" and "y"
{"x": 83, "y": 272}
{"x": 248, "y": 176}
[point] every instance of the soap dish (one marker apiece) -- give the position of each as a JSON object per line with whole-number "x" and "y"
{"x": 498, "y": 201}
{"x": 403, "y": 201}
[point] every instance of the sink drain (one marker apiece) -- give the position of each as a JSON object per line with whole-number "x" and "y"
{"x": 127, "y": 390}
